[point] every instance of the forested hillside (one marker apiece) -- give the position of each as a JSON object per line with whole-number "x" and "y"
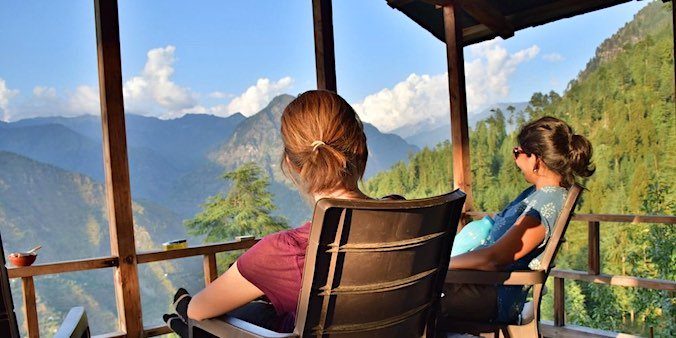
{"x": 65, "y": 213}
{"x": 623, "y": 101}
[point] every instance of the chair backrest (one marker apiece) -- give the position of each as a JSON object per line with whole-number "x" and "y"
{"x": 552, "y": 248}
{"x": 8, "y": 324}
{"x": 75, "y": 325}
{"x": 376, "y": 268}
{"x": 555, "y": 240}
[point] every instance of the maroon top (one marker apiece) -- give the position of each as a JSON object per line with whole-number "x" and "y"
{"x": 275, "y": 266}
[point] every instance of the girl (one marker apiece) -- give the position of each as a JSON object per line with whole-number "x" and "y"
{"x": 549, "y": 156}
{"x": 325, "y": 156}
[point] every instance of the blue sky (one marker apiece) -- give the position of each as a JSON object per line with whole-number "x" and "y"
{"x": 220, "y": 57}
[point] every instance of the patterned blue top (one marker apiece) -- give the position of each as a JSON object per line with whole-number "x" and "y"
{"x": 545, "y": 205}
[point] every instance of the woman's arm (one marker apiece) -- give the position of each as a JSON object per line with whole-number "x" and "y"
{"x": 524, "y": 236}
{"x": 228, "y": 292}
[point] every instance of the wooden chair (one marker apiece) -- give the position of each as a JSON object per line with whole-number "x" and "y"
{"x": 372, "y": 268}
{"x": 74, "y": 326}
{"x": 529, "y": 325}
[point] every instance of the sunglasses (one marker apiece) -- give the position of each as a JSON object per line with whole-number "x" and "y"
{"x": 517, "y": 151}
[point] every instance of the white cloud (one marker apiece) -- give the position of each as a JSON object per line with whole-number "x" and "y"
{"x": 487, "y": 76}
{"x": 424, "y": 98}
{"x": 153, "y": 92}
{"x": 5, "y": 95}
{"x": 44, "y": 92}
{"x": 85, "y": 100}
{"x": 553, "y": 57}
{"x": 411, "y": 101}
{"x": 257, "y": 96}
{"x": 220, "y": 95}
{"x": 46, "y": 101}
{"x": 250, "y": 102}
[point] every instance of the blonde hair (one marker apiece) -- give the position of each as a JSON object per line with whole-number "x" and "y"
{"x": 324, "y": 141}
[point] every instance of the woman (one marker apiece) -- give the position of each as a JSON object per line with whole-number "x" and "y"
{"x": 549, "y": 156}
{"x": 325, "y": 156}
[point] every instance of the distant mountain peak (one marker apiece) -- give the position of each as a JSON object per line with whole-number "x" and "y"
{"x": 282, "y": 98}
{"x": 208, "y": 117}
{"x": 277, "y": 106}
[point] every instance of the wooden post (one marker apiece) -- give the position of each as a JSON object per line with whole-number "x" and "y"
{"x": 456, "y": 89}
{"x": 30, "y": 307}
{"x": 210, "y": 268}
{"x": 118, "y": 194}
{"x": 594, "y": 256}
{"x": 325, "y": 59}
{"x": 9, "y": 327}
{"x": 559, "y": 302}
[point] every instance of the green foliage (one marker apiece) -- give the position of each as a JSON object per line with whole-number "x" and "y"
{"x": 624, "y": 103}
{"x": 245, "y": 210}
{"x": 427, "y": 173}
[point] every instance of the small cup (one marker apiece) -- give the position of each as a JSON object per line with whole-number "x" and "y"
{"x": 22, "y": 258}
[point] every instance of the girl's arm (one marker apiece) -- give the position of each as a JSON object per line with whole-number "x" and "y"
{"x": 524, "y": 236}
{"x": 228, "y": 292}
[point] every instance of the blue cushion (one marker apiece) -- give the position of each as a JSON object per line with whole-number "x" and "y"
{"x": 473, "y": 235}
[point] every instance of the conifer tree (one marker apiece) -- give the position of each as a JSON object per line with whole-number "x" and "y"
{"x": 245, "y": 210}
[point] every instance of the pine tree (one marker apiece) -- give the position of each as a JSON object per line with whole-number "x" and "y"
{"x": 245, "y": 210}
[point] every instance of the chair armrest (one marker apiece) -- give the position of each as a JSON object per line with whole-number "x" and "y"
{"x": 74, "y": 325}
{"x": 495, "y": 277}
{"x": 227, "y": 326}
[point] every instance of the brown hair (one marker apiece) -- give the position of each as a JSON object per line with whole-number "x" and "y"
{"x": 562, "y": 151}
{"x": 324, "y": 140}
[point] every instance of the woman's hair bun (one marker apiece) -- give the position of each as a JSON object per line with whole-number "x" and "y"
{"x": 580, "y": 156}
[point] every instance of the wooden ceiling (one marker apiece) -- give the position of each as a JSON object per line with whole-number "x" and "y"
{"x": 485, "y": 19}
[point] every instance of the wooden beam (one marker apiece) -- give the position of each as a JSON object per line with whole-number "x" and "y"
{"x": 158, "y": 330}
{"x": 485, "y": 13}
{"x": 210, "y": 269}
{"x": 574, "y": 331}
{"x": 9, "y": 327}
{"x": 456, "y": 89}
{"x": 162, "y": 255}
{"x": 624, "y": 281}
{"x": 118, "y": 193}
{"x": 559, "y": 302}
{"x": 325, "y": 59}
{"x": 594, "y": 254}
{"x": 398, "y": 3}
{"x": 663, "y": 219}
{"x": 30, "y": 307}
{"x": 535, "y": 16}
{"x": 61, "y": 267}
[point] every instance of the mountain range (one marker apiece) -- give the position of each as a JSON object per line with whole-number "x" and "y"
{"x": 52, "y": 193}
{"x": 178, "y": 163}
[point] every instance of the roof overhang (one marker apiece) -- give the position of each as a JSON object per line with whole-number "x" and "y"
{"x": 485, "y": 19}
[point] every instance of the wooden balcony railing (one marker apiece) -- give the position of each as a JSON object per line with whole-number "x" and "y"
{"x": 557, "y": 328}
{"x": 26, "y": 274}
